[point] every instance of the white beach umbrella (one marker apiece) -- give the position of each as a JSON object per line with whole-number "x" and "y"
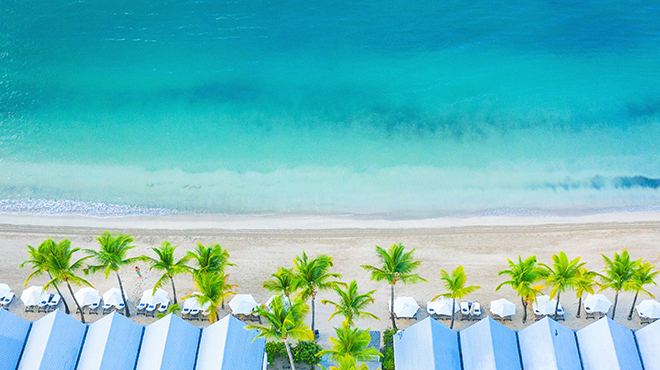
{"x": 597, "y": 303}
{"x": 113, "y": 297}
{"x": 502, "y": 308}
{"x": 649, "y": 308}
{"x": 405, "y": 307}
{"x": 192, "y": 303}
{"x": 544, "y": 305}
{"x": 442, "y": 306}
{"x": 87, "y": 296}
{"x": 242, "y": 304}
{"x": 4, "y": 290}
{"x": 33, "y": 295}
{"x": 154, "y": 299}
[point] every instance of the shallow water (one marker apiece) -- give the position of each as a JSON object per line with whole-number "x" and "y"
{"x": 332, "y": 107}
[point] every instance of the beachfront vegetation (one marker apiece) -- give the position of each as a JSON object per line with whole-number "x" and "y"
{"x": 212, "y": 290}
{"x": 284, "y": 322}
{"x": 522, "y": 277}
{"x": 283, "y": 282}
{"x": 351, "y": 305}
{"x": 312, "y": 276}
{"x": 645, "y": 274}
{"x": 455, "y": 284}
{"x": 562, "y": 275}
{"x": 350, "y": 346}
{"x": 112, "y": 257}
{"x": 395, "y": 266}
{"x": 64, "y": 270}
{"x": 166, "y": 263}
{"x": 38, "y": 258}
{"x": 618, "y": 275}
{"x": 211, "y": 259}
{"x": 584, "y": 284}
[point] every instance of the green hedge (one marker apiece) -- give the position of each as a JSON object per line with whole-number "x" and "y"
{"x": 388, "y": 350}
{"x": 302, "y": 352}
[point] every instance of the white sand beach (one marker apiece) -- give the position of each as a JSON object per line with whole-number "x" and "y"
{"x": 259, "y": 251}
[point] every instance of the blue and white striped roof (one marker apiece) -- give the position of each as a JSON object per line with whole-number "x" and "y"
{"x": 489, "y": 345}
{"x": 227, "y": 345}
{"x": 112, "y": 343}
{"x": 427, "y": 345}
{"x": 648, "y": 342}
{"x": 607, "y": 345}
{"x": 169, "y": 344}
{"x": 548, "y": 345}
{"x": 54, "y": 343}
{"x": 13, "y": 333}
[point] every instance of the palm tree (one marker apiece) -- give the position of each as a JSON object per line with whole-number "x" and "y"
{"x": 348, "y": 363}
{"x": 644, "y": 275}
{"x": 522, "y": 276}
{"x": 351, "y": 303}
{"x": 213, "y": 289}
{"x": 211, "y": 258}
{"x": 284, "y": 322}
{"x": 352, "y": 343}
{"x": 39, "y": 261}
{"x": 563, "y": 274}
{"x": 585, "y": 283}
{"x": 165, "y": 262}
{"x": 619, "y": 274}
{"x": 64, "y": 271}
{"x": 112, "y": 257}
{"x": 312, "y": 276}
{"x": 455, "y": 284}
{"x": 395, "y": 266}
{"x": 283, "y": 281}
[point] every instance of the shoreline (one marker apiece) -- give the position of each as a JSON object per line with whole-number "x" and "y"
{"x": 313, "y": 222}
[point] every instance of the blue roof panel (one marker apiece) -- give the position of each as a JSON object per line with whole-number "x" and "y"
{"x": 111, "y": 343}
{"x": 227, "y": 345}
{"x": 607, "y": 345}
{"x": 427, "y": 345}
{"x": 548, "y": 345}
{"x": 489, "y": 345}
{"x": 648, "y": 341}
{"x": 13, "y": 334}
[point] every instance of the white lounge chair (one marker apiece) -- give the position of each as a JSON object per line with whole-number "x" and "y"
{"x": 205, "y": 315}
{"x": 141, "y": 308}
{"x": 150, "y": 310}
{"x": 164, "y": 306}
{"x": 194, "y": 314}
{"x": 475, "y": 310}
{"x": 429, "y": 308}
{"x": 43, "y": 305}
{"x": 120, "y": 308}
{"x": 7, "y": 300}
{"x": 465, "y": 311}
{"x": 54, "y": 302}
{"x": 93, "y": 308}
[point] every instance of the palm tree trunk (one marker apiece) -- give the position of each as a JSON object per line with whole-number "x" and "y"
{"x": 82, "y": 316}
{"x": 557, "y": 305}
{"x": 632, "y": 309}
{"x": 123, "y": 296}
{"x": 453, "y": 306}
{"x": 66, "y": 306}
{"x": 173, "y": 289}
{"x": 616, "y": 300}
{"x": 579, "y": 307}
{"x": 392, "y": 308}
{"x": 313, "y": 312}
{"x": 288, "y": 351}
{"x": 524, "y": 304}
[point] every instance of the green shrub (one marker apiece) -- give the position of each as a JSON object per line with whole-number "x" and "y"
{"x": 388, "y": 337}
{"x": 276, "y": 350}
{"x": 388, "y": 359}
{"x": 305, "y": 351}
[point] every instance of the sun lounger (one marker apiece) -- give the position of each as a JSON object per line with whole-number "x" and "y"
{"x": 185, "y": 313}
{"x": 29, "y": 308}
{"x": 106, "y": 308}
{"x": 465, "y": 311}
{"x": 93, "y": 308}
{"x": 43, "y": 305}
{"x": 54, "y": 302}
{"x": 163, "y": 306}
{"x": 150, "y": 310}
{"x": 194, "y": 314}
{"x": 592, "y": 314}
{"x": 475, "y": 311}
{"x": 7, "y": 300}
{"x": 561, "y": 314}
{"x": 141, "y": 308}
{"x": 503, "y": 319}
{"x": 429, "y": 309}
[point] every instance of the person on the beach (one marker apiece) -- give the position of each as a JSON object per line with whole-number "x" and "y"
{"x": 137, "y": 270}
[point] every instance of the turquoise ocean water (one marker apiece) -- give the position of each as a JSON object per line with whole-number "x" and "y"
{"x": 405, "y": 108}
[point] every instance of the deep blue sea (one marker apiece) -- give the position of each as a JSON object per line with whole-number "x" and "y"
{"x": 391, "y": 107}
